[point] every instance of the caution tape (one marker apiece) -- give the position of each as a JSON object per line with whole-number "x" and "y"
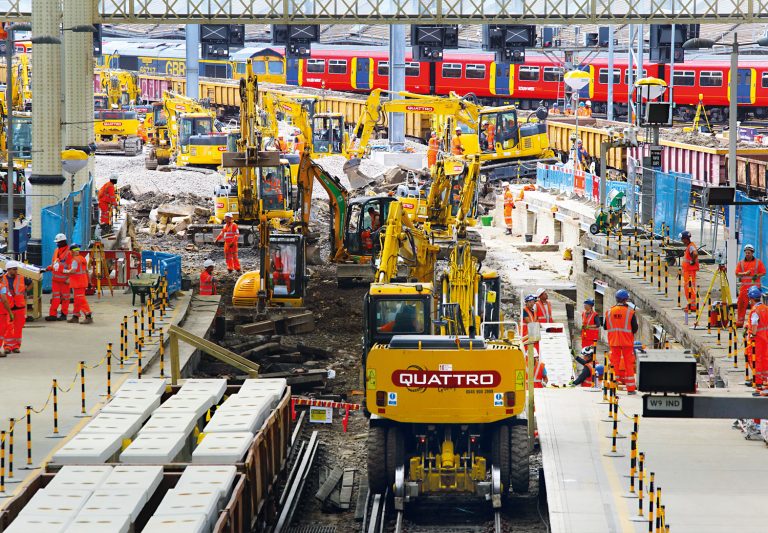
{"x": 300, "y": 400}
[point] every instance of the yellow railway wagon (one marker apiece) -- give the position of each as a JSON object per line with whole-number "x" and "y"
{"x": 560, "y": 132}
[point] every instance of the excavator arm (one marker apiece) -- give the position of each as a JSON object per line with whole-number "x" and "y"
{"x": 467, "y": 200}
{"x": 400, "y": 239}
{"x": 277, "y": 103}
{"x": 338, "y": 197}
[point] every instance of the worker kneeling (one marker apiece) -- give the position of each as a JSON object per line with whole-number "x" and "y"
{"x": 78, "y": 282}
{"x": 16, "y": 286}
{"x": 621, "y": 325}
{"x": 207, "y": 283}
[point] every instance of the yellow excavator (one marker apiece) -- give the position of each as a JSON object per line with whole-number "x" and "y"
{"x": 446, "y": 112}
{"x": 121, "y": 88}
{"x": 195, "y": 137}
{"x": 509, "y": 147}
{"x": 22, "y": 84}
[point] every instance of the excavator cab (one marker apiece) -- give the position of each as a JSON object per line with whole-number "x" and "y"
{"x": 22, "y": 139}
{"x": 365, "y": 216}
{"x": 199, "y": 143}
{"x": 396, "y": 309}
{"x": 275, "y": 187}
{"x": 328, "y": 134}
{"x": 287, "y": 267}
{"x": 100, "y": 101}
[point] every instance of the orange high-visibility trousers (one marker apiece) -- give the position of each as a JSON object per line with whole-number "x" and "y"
{"x": 81, "y": 302}
{"x": 623, "y": 363}
{"x": 742, "y": 304}
{"x": 761, "y": 362}
{"x": 690, "y": 288}
{"x": 230, "y": 255}
{"x": 14, "y": 329}
{"x": 59, "y": 296}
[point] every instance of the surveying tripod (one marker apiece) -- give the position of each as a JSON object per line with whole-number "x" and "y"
{"x": 725, "y": 315}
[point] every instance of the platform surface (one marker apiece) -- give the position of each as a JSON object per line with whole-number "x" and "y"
{"x": 712, "y": 479}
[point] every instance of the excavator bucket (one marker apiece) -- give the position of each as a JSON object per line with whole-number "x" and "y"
{"x": 357, "y": 178}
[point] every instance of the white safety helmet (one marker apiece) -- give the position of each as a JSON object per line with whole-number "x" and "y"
{"x": 505, "y": 184}
{"x": 589, "y": 103}
{"x": 113, "y": 177}
{"x": 458, "y": 129}
{"x": 228, "y": 214}
{"x": 208, "y": 263}
{"x": 749, "y": 247}
{"x": 540, "y": 291}
{"x": 59, "y": 237}
{"x": 12, "y": 264}
{"x": 588, "y": 351}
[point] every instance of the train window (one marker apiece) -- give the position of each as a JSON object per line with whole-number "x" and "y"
{"x": 275, "y": 67}
{"x": 603, "y": 78}
{"x": 128, "y": 63}
{"x": 259, "y": 67}
{"x": 710, "y": 78}
{"x": 316, "y": 66}
{"x": 475, "y": 72}
{"x": 451, "y": 70}
{"x": 412, "y": 69}
{"x": 337, "y": 66}
{"x": 383, "y": 68}
{"x": 684, "y": 78}
{"x": 634, "y": 73}
{"x": 528, "y": 74}
{"x": 553, "y": 74}
{"x": 240, "y": 68}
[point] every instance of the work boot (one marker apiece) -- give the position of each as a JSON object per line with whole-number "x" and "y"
{"x": 74, "y": 319}
{"x": 62, "y": 317}
{"x": 631, "y": 392}
{"x": 16, "y": 350}
{"x": 508, "y": 232}
{"x": 88, "y": 319}
{"x": 2, "y": 352}
{"x": 51, "y": 318}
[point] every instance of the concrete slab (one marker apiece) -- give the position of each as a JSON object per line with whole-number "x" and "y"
{"x": 115, "y": 502}
{"x": 145, "y": 478}
{"x": 154, "y": 448}
{"x": 217, "y": 387}
{"x": 56, "y": 503}
{"x": 79, "y": 478}
{"x": 127, "y": 425}
{"x": 196, "y": 477}
{"x": 154, "y": 386}
{"x": 53, "y": 350}
{"x": 190, "y": 523}
{"x": 38, "y": 524}
{"x": 92, "y": 523}
{"x": 196, "y": 402}
{"x": 171, "y": 422}
{"x": 88, "y": 448}
{"x": 222, "y": 448}
{"x": 235, "y": 421}
{"x": 183, "y": 502}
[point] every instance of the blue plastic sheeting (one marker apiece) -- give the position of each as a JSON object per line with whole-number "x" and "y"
{"x": 168, "y": 265}
{"x": 562, "y": 179}
{"x": 611, "y": 185}
{"x": 750, "y": 225}
{"x": 672, "y": 196}
{"x": 72, "y": 217}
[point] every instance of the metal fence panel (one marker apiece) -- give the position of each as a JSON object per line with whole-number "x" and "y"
{"x": 166, "y": 264}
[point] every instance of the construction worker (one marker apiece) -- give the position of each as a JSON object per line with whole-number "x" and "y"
{"x": 16, "y": 285}
{"x": 78, "y": 282}
{"x": 581, "y": 154}
{"x": 6, "y": 312}
{"x": 299, "y": 142}
{"x": 59, "y": 281}
{"x": 690, "y": 266}
{"x": 581, "y": 111}
{"x": 588, "y": 108}
{"x": 282, "y": 146}
{"x": 543, "y": 307}
{"x": 231, "y": 234}
{"x": 207, "y": 283}
{"x": 588, "y": 368}
{"x": 456, "y": 147}
{"x": 375, "y": 218}
{"x": 432, "y": 149}
{"x": 490, "y": 132}
{"x": 568, "y": 109}
{"x": 509, "y": 205}
{"x": 590, "y": 329}
{"x": 540, "y": 378}
{"x": 555, "y": 109}
{"x": 758, "y": 334}
{"x": 621, "y": 325}
{"x": 529, "y": 316}
{"x": 107, "y": 197}
{"x": 750, "y": 272}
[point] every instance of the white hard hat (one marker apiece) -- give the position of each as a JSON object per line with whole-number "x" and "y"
{"x": 12, "y": 264}
{"x": 59, "y": 237}
{"x": 589, "y": 102}
{"x": 749, "y": 247}
{"x": 113, "y": 177}
{"x": 458, "y": 128}
{"x": 540, "y": 291}
{"x": 504, "y": 184}
{"x": 228, "y": 214}
{"x": 208, "y": 263}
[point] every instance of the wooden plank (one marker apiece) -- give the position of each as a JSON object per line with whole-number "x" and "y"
{"x": 264, "y": 326}
{"x": 333, "y": 479}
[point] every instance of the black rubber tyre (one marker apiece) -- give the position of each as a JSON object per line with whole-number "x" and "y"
{"x": 519, "y": 459}
{"x": 395, "y": 453}
{"x": 150, "y": 162}
{"x": 500, "y": 454}
{"x": 593, "y": 229}
{"x": 377, "y": 468}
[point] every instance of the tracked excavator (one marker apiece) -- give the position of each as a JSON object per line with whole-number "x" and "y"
{"x": 195, "y": 137}
{"x": 116, "y": 125}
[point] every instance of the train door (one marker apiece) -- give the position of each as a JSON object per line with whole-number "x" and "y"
{"x": 745, "y": 86}
{"x": 293, "y": 71}
{"x": 362, "y": 73}
{"x": 501, "y": 81}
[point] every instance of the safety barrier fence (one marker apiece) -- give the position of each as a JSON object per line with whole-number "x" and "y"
{"x": 671, "y": 201}
{"x": 579, "y": 183}
{"x": 167, "y": 265}
{"x": 147, "y": 325}
{"x": 72, "y": 217}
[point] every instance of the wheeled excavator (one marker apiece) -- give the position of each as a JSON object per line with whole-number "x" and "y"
{"x": 444, "y": 403}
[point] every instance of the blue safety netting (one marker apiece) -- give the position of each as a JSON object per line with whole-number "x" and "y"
{"x": 166, "y": 264}
{"x": 72, "y": 217}
{"x": 672, "y": 197}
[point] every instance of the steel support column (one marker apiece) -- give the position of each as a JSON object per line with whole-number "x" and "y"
{"x": 193, "y": 60}
{"x": 78, "y": 86}
{"x": 46, "y": 180}
{"x": 396, "y": 83}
